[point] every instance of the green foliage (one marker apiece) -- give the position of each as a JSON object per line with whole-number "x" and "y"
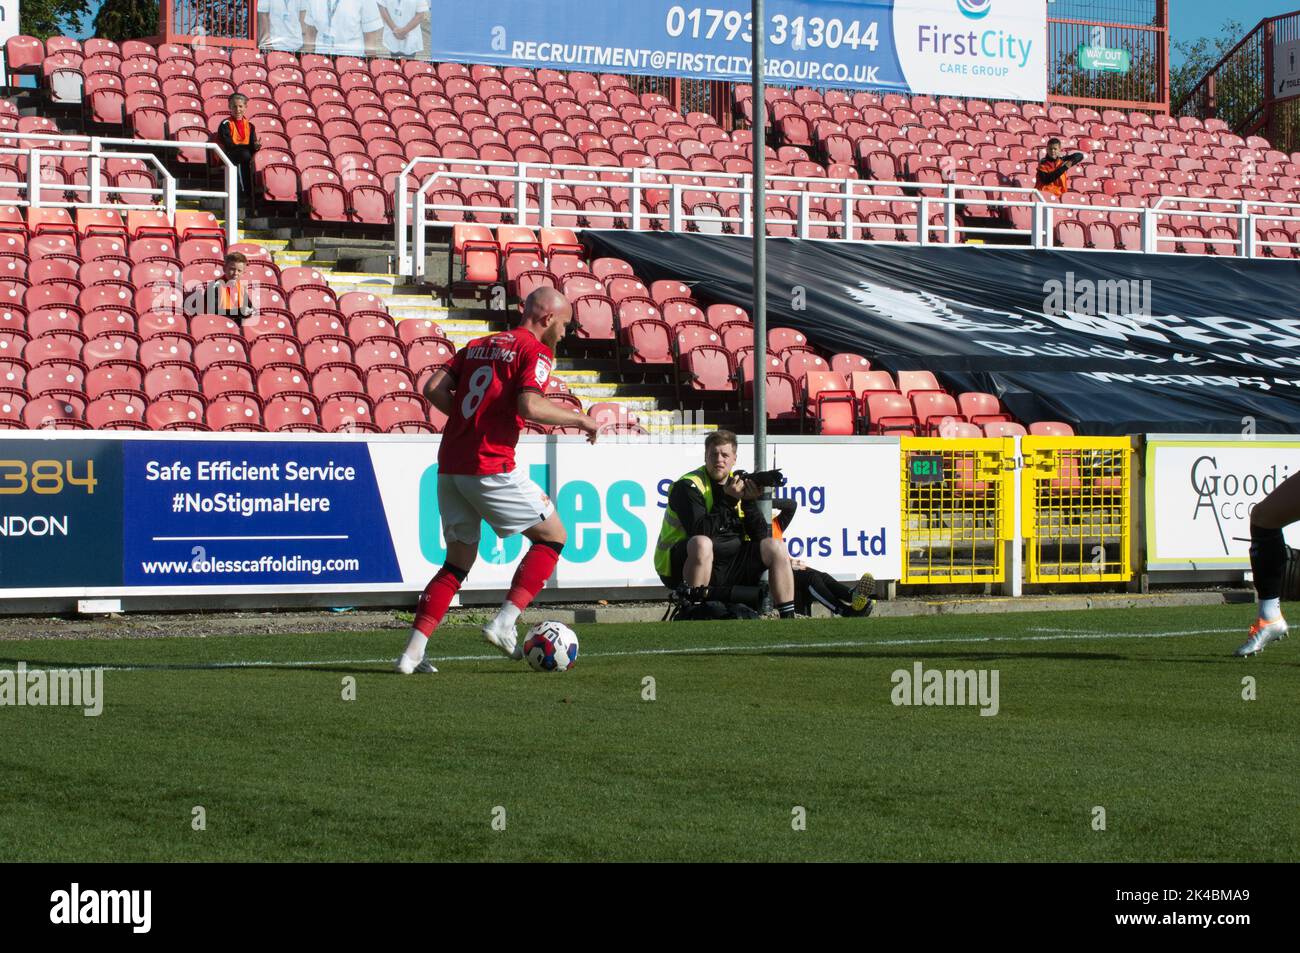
{"x": 46, "y": 18}
{"x": 120, "y": 20}
{"x": 1238, "y": 89}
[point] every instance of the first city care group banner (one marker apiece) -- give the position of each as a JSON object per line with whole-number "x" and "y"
{"x": 123, "y": 514}
{"x": 989, "y": 48}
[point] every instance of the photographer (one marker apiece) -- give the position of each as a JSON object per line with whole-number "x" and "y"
{"x": 714, "y": 534}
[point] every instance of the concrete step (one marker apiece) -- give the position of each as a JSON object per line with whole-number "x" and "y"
{"x": 374, "y": 284}
{"x": 590, "y": 396}
{"x": 693, "y": 431}
{"x": 455, "y": 326}
{"x": 431, "y": 311}
{"x": 572, "y": 378}
{"x": 403, "y": 299}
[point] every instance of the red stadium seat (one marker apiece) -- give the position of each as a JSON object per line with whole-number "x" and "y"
{"x": 934, "y": 409}
{"x": 848, "y": 364}
{"x": 737, "y": 336}
{"x": 800, "y": 361}
{"x": 782, "y": 397}
{"x": 864, "y": 381}
{"x": 398, "y": 414}
{"x": 1050, "y": 428}
{"x": 650, "y": 341}
{"x": 593, "y": 316}
{"x": 981, "y": 408}
{"x": 110, "y": 376}
{"x": 291, "y": 413}
{"x": 326, "y": 349}
{"x": 168, "y": 377}
{"x": 960, "y": 430}
{"x": 836, "y": 413}
{"x": 225, "y": 377}
{"x": 815, "y": 384}
{"x": 910, "y": 381}
{"x": 274, "y": 349}
{"x": 709, "y": 369}
{"x": 479, "y": 253}
{"x": 175, "y": 414}
{"x": 118, "y": 411}
{"x": 347, "y": 413}
{"x": 889, "y": 413}
{"x": 275, "y": 379}
{"x": 778, "y": 339}
{"x": 337, "y": 379}
{"x": 53, "y": 376}
{"x": 57, "y": 410}
{"x": 1004, "y": 428}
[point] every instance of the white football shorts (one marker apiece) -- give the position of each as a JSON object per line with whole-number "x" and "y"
{"x": 508, "y": 502}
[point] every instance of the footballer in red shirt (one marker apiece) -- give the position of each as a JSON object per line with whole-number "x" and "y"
{"x": 490, "y": 387}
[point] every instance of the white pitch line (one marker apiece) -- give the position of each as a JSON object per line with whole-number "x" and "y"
{"x": 1083, "y": 632}
{"x": 705, "y": 650}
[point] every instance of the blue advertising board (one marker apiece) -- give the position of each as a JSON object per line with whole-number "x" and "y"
{"x": 992, "y": 48}
{"x": 178, "y": 515}
{"x": 253, "y": 512}
{"x": 60, "y": 513}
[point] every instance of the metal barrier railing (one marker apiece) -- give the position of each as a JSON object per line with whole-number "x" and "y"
{"x": 957, "y": 509}
{"x": 533, "y": 203}
{"x": 1017, "y": 509}
{"x": 97, "y": 151}
{"x": 1076, "y": 509}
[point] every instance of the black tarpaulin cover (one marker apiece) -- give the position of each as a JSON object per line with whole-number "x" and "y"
{"x": 1111, "y": 343}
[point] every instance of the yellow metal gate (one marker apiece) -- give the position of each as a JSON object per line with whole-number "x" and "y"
{"x": 955, "y": 530}
{"x": 1076, "y": 512}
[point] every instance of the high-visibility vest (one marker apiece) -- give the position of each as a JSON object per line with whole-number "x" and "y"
{"x": 232, "y": 296}
{"x": 1061, "y": 185}
{"x": 673, "y": 532}
{"x": 241, "y": 130}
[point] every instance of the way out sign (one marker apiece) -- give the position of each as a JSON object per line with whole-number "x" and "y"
{"x": 1102, "y": 59}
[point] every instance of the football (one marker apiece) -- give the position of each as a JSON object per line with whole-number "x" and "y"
{"x": 551, "y": 647}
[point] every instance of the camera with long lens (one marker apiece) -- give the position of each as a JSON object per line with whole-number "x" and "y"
{"x": 763, "y": 478}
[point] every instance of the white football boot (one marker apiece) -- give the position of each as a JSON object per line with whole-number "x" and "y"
{"x": 1261, "y": 634}
{"x": 406, "y": 666}
{"x": 504, "y": 636}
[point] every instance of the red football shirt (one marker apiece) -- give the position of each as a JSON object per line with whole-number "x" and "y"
{"x": 484, "y": 424}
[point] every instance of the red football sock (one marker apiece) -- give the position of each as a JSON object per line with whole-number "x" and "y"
{"x": 436, "y": 598}
{"x": 537, "y": 565}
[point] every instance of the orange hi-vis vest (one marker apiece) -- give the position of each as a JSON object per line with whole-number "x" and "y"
{"x": 240, "y": 131}
{"x": 1057, "y": 188}
{"x": 232, "y": 296}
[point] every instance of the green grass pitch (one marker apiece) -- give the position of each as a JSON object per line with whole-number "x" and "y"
{"x": 1138, "y": 712}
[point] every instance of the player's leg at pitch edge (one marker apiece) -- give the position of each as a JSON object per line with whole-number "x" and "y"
{"x": 1269, "y": 556}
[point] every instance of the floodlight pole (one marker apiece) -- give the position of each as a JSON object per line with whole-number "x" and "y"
{"x": 758, "y": 103}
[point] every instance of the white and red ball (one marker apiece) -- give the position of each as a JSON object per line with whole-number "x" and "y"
{"x": 551, "y": 647}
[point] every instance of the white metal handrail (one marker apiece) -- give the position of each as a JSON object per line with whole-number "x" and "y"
{"x": 35, "y": 184}
{"x": 100, "y": 148}
{"x": 948, "y": 198}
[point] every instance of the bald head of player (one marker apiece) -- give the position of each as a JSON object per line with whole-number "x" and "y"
{"x": 547, "y": 314}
